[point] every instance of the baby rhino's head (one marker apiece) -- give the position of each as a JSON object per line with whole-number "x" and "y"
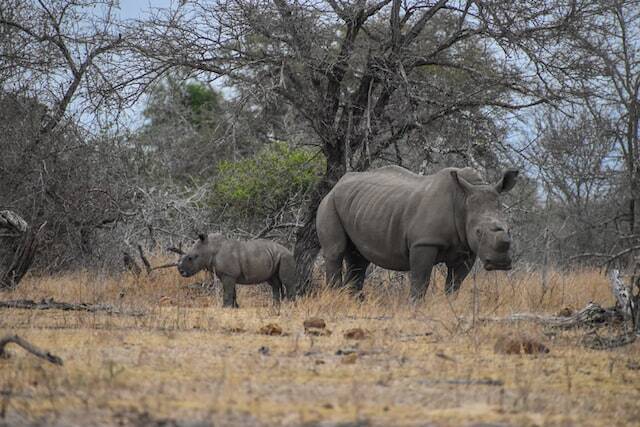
{"x": 197, "y": 258}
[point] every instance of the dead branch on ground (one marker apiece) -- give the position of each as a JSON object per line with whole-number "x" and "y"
{"x": 50, "y": 304}
{"x": 592, "y": 315}
{"x": 28, "y": 347}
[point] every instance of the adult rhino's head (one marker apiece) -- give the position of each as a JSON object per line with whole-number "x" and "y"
{"x": 197, "y": 258}
{"x": 488, "y": 233}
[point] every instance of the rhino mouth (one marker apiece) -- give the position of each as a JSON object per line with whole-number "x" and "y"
{"x": 490, "y": 265}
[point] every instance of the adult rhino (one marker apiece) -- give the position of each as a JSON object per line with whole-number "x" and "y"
{"x": 401, "y": 221}
{"x": 243, "y": 262}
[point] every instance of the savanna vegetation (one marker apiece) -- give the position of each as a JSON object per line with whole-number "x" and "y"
{"x": 125, "y": 132}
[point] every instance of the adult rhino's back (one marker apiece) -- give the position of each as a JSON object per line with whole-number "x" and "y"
{"x": 384, "y": 210}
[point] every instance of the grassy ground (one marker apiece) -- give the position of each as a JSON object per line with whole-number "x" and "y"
{"x": 188, "y": 361}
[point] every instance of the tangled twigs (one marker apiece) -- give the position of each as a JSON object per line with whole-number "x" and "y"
{"x": 133, "y": 267}
{"x": 28, "y": 347}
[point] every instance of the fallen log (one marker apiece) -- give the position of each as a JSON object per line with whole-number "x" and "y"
{"x": 28, "y": 347}
{"x": 51, "y": 304}
{"x": 463, "y": 381}
{"x": 592, "y": 315}
{"x": 622, "y": 293}
{"x": 598, "y": 342}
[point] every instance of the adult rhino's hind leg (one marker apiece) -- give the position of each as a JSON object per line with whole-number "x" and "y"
{"x": 421, "y": 259}
{"x": 333, "y": 240}
{"x": 229, "y": 298}
{"x": 356, "y": 266}
{"x": 456, "y": 275}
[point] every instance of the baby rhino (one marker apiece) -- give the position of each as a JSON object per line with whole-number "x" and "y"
{"x": 244, "y": 262}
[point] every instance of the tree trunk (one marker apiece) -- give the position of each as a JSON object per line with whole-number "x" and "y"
{"x": 17, "y": 249}
{"x": 307, "y": 245}
{"x": 632, "y": 166}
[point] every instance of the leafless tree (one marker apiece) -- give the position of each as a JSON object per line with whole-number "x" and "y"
{"x": 597, "y": 64}
{"x": 56, "y": 64}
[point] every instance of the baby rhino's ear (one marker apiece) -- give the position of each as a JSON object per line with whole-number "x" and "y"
{"x": 202, "y": 237}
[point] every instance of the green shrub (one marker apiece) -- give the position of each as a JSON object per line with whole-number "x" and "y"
{"x": 262, "y": 184}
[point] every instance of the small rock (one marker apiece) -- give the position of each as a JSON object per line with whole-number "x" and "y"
{"x": 320, "y": 362}
{"x": 519, "y": 345}
{"x": 271, "y": 329}
{"x": 633, "y": 365}
{"x": 327, "y": 406}
{"x": 264, "y": 350}
{"x": 355, "y": 334}
{"x": 350, "y": 359}
{"x": 314, "y": 322}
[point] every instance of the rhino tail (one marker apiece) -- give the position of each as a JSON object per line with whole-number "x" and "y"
{"x": 288, "y": 276}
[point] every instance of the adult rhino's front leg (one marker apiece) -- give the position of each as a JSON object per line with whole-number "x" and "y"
{"x": 229, "y": 291}
{"x": 277, "y": 290}
{"x": 456, "y": 275}
{"x": 421, "y": 260}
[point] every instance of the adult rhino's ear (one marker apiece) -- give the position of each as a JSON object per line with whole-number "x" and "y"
{"x": 507, "y": 181}
{"x": 466, "y": 186}
{"x": 202, "y": 237}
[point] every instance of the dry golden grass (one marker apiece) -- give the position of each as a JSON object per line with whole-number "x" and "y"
{"x": 189, "y": 359}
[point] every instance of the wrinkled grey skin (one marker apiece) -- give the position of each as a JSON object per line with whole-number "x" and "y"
{"x": 401, "y": 221}
{"x": 243, "y": 262}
